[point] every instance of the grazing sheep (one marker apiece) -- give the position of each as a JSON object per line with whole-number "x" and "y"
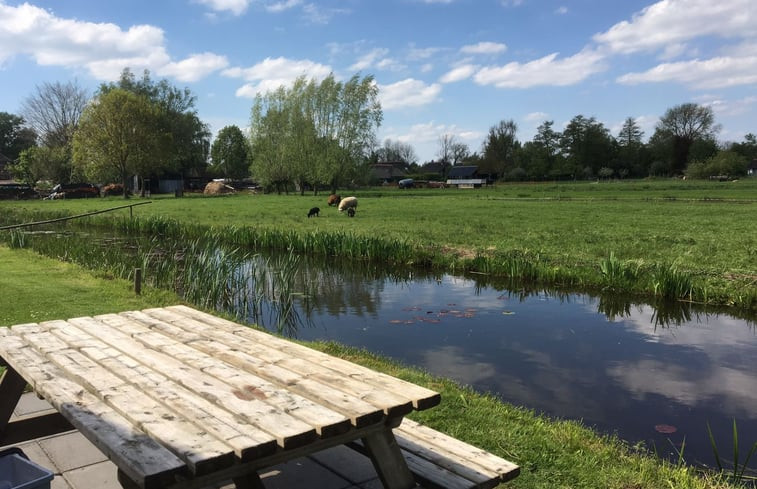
{"x": 347, "y": 203}
{"x": 313, "y": 212}
{"x": 334, "y": 200}
{"x": 351, "y": 212}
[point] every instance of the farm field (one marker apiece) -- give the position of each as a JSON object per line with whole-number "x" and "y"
{"x": 704, "y": 229}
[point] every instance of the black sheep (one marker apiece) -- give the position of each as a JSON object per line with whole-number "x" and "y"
{"x": 351, "y": 212}
{"x": 313, "y": 212}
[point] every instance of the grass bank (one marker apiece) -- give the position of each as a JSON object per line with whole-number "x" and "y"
{"x": 552, "y": 453}
{"x": 667, "y": 239}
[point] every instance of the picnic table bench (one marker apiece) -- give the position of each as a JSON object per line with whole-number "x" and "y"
{"x": 176, "y": 397}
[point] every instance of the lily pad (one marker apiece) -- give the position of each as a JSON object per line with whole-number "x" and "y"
{"x": 665, "y": 428}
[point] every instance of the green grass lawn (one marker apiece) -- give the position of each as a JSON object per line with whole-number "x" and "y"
{"x": 552, "y": 453}
{"x": 706, "y": 229}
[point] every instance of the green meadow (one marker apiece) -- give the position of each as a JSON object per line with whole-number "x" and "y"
{"x": 685, "y": 240}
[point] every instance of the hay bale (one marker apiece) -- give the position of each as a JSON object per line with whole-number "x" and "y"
{"x": 217, "y": 188}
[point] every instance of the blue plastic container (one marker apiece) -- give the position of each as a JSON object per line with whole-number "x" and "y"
{"x": 18, "y": 472}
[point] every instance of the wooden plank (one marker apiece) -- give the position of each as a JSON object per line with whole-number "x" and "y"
{"x": 143, "y": 459}
{"x": 359, "y": 412}
{"x": 206, "y": 338}
{"x": 327, "y": 422}
{"x": 457, "y": 456}
{"x": 192, "y": 443}
{"x": 248, "y": 339}
{"x": 421, "y": 397}
{"x": 289, "y": 431}
{"x": 247, "y": 440}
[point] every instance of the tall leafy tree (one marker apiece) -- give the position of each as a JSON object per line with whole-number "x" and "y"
{"x": 683, "y": 125}
{"x": 500, "y": 148}
{"x": 633, "y": 156}
{"x": 15, "y": 137}
{"x": 746, "y": 148}
{"x": 189, "y": 144}
{"x": 587, "y": 146}
{"x": 44, "y": 163}
{"x": 120, "y": 134}
{"x": 313, "y": 132}
{"x": 230, "y": 153}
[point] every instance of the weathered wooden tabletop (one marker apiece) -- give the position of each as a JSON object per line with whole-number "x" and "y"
{"x": 175, "y": 396}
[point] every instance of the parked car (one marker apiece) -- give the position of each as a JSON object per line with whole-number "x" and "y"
{"x": 16, "y": 191}
{"x": 74, "y": 191}
{"x": 406, "y": 183}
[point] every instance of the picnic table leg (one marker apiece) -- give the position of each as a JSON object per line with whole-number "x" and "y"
{"x": 248, "y": 481}
{"x": 388, "y": 461}
{"x": 11, "y": 387}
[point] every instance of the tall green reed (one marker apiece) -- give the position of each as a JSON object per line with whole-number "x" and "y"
{"x": 738, "y": 471}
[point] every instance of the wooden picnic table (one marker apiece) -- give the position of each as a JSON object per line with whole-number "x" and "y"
{"x": 176, "y": 397}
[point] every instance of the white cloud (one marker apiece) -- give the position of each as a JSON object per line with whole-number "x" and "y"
{"x": 236, "y": 7}
{"x": 103, "y": 49}
{"x": 548, "y": 70}
{"x": 675, "y": 21}
{"x": 319, "y": 15}
{"x": 717, "y": 72}
{"x": 408, "y": 93}
{"x": 376, "y": 58}
{"x": 484, "y": 48}
{"x": 277, "y": 7}
{"x": 271, "y": 73}
{"x": 194, "y": 67}
{"x": 725, "y": 107}
{"x": 536, "y": 117}
{"x": 459, "y": 73}
{"x": 416, "y": 54}
{"x": 429, "y": 132}
{"x": 561, "y": 10}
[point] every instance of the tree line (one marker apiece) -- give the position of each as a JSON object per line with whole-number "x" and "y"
{"x": 322, "y": 134}
{"x": 683, "y": 143}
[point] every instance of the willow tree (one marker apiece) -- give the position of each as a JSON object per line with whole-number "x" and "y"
{"x": 119, "y": 135}
{"x": 315, "y": 132}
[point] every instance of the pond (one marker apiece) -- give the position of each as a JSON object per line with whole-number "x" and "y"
{"x": 656, "y": 375}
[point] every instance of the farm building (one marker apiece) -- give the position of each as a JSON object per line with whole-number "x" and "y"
{"x": 465, "y": 177}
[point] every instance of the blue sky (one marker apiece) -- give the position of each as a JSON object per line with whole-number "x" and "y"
{"x": 443, "y": 66}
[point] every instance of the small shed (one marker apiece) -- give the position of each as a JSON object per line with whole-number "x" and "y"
{"x": 390, "y": 171}
{"x": 465, "y": 176}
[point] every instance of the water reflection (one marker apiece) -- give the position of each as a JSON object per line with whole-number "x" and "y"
{"x": 619, "y": 366}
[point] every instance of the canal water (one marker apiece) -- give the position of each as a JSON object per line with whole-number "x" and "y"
{"x": 650, "y": 375}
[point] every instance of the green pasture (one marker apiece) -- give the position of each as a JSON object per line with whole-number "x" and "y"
{"x": 552, "y": 453}
{"x": 703, "y": 229}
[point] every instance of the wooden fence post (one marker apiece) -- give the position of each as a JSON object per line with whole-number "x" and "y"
{"x": 138, "y": 281}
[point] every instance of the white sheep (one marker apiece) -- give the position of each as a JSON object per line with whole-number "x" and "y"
{"x": 348, "y": 203}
